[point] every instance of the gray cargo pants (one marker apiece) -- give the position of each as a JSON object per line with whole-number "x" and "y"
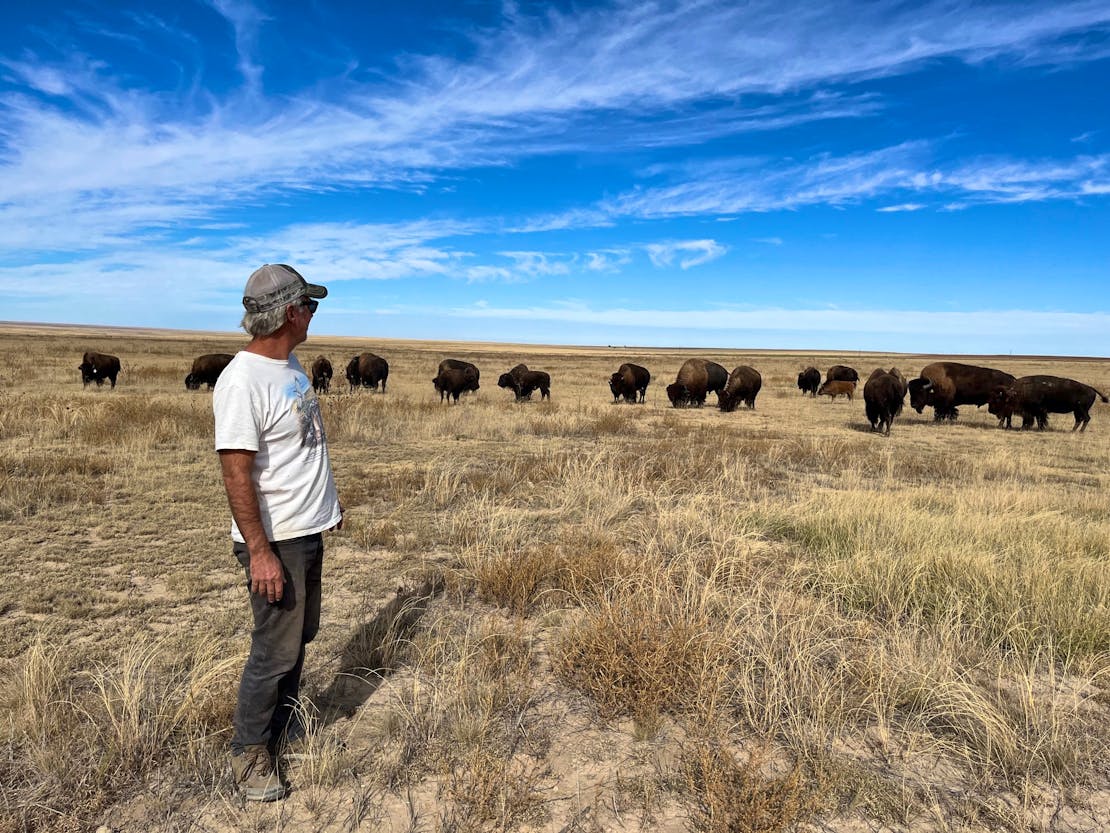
{"x": 271, "y": 679}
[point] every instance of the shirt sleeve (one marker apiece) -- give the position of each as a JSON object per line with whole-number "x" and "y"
{"x": 236, "y": 418}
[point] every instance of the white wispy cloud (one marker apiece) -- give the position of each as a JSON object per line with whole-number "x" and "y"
{"x": 245, "y": 18}
{"x": 769, "y": 241}
{"x": 117, "y": 160}
{"x": 640, "y": 54}
{"x": 534, "y": 264}
{"x": 738, "y": 186}
{"x": 688, "y": 253}
{"x": 608, "y": 260}
{"x": 479, "y": 274}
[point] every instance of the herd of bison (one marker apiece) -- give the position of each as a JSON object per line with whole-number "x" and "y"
{"x": 941, "y": 385}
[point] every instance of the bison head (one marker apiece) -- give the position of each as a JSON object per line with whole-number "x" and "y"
{"x": 921, "y": 393}
{"x": 192, "y": 382}
{"x": 1002, "y": 402}
{"x": 615, "y": 385}
{"x": 506, "y": 380}
{"x": 678, "y": 394}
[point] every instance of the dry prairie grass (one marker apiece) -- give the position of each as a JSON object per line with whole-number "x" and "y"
{"x": 567, "y": 615}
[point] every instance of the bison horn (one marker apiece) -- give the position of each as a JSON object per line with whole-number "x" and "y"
{"x": 927, "y": 385}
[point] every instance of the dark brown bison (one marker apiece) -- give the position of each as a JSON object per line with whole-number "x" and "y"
{"x": 206, "y": 370}
{"x": 96, "y": 367}
{"x": 1035, "y": 397}
{"x": 522, "y": 382}
{"x": 630, "y": 383}
{"x": 367, "y": 370}
{"x": 833, "y": 388}
{"x": 472, "y": 376}
{"x": 743, "y": 386}
{"x": 809, "y": 380}
{"x": 883, "y": 396}
{"x": 841, "y": 373}
{"x": 944, "y": 385}
{"x": 455, "y": 378}
{"x": 696, "y": 379}
{"x": 321, "y": 375}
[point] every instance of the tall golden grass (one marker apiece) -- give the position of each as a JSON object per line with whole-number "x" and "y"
{"x": 572, "y": 615}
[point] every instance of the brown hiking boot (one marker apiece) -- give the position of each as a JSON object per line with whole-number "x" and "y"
{"x": 255, "y": 775}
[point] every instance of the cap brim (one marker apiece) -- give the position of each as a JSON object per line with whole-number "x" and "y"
{"x": 314, "y": 290}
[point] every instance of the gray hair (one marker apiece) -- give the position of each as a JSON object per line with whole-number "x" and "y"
{"x": 260, "y": 324}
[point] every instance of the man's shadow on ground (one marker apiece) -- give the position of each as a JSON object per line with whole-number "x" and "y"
{"x": 371, "y": 653}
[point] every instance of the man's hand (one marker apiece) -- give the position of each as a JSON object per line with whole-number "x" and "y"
{"x": 267, "y": 576}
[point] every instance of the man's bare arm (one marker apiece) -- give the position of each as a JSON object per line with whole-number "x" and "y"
{"x": 267, "y": 577}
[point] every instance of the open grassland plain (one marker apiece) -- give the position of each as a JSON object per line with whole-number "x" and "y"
{"x": 572, "y": 615}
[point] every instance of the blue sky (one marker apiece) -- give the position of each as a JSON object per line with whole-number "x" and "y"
{"x": 928, "y": 176}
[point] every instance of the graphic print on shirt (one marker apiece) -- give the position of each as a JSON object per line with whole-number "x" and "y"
{"x": 306, "y": 407}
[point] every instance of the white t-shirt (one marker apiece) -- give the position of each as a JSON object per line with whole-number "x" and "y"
{"x": 268, "y": 406}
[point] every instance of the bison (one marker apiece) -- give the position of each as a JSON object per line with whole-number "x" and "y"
{"x": 96, "y": 367}
{"x": 455, "y": 377}
{"x": 459, "y": 364}
{"x": 743, "y": 386}
{"x": 321, "y": 375}
{"x": 206, "y": 370}
{"x": 809, "y": 380}
{"x": 883, "y": 395}
{"x": 833, "y": 388}
{"x": 1035, "y": 397}
{"x": 630, "y": 383}
{"x": 367, "y": 370}
{"x": 696, "y": 379}
{"x": 522, "y": 382}
{"x": 841, "y": 373}
{"x": 944, "y": 385}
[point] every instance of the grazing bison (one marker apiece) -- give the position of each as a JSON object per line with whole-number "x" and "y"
{"x": 696, "y": 379}
{"x": 944, "y": 385}
{"x": 96, "y": 367}
{"x": 833, "y": 388}
{"x": 321, "y": 375}
{"x": 809, "y": 380}
{"x": 206, "y": 370}
{"x": 454, "y": 378}
{"x": 367, "y": 370}
{"x": 522, "y": 381}
{"x": 883, "y": 396}
{"x": 743, "y": 386}
{"x": 630, "y": 383}
{"x": 841, "y": 373}
{"x": 1035, "y": 397}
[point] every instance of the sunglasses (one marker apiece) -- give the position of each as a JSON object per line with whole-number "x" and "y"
{"x": 311, "y": 303}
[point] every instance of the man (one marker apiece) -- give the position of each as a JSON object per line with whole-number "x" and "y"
{"x": 274, "y": 460}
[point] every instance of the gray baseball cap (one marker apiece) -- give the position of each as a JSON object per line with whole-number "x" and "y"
{"x": 274, "y": 285}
